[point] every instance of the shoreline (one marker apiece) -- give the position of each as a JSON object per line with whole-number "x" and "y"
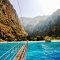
{"x": 28, "y": 41}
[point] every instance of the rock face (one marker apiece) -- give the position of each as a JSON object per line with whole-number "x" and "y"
{"x": 49, "y": 25}
{"x": 9, "y": 22}
{"x": 55, "y": 23}
{"x": 34, "y": 27}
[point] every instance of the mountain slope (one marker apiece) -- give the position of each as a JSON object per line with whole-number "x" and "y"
{"x": 10, "y": 27}
{"x": 51, "y": 26}
{"x": 30, "y": 28}
{"x": 48, "y": 25}
{"x": 55, "y": 23}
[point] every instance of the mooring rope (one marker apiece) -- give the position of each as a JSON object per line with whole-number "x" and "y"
{"x": 8, "y": 51}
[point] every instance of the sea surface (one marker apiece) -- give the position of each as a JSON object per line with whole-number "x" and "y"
{"x": 35, "y": 50}
{"x": 9, "y": 50}
{"x": 43, "y": 51}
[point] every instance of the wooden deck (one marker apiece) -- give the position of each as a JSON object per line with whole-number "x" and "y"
{"x": 21, "y": 54}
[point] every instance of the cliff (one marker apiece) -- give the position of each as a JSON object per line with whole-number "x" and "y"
{"x": 10, "y": 27}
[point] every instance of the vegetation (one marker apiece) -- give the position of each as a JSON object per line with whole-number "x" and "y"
{"x": 12, "y": 30}
{"x": 35, "y": 38}
{"x": 41, "y": 38}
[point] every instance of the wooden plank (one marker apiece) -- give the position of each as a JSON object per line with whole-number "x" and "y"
{"x": 21, "y": 54}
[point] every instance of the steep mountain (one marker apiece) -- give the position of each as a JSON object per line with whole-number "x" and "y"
{"x": 55, "y": 23}
{"x": 45, "y": 25}
{"x": 33, "y": 24}
{"x": 42, "y": 28}
{"x": 10, "y": 28}
{"x": 51, "y": 26}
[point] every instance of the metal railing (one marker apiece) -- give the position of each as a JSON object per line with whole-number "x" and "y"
{"x": 10, "y": 54}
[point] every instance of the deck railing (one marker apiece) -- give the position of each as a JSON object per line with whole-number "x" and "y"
{"x": 10, "y": 54}
{"x": 22, "y": 53}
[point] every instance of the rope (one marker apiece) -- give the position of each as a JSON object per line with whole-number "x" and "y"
{"x": 7, "y": 51}
{"x": 7, "y": 56}
{"x": 13, "y": 51}
{"x": 21, "y": 14}
{"x": 20, "y": 11}
{"x": 13, "y": 54}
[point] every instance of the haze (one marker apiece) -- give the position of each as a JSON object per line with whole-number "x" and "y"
{"x": 32, "y": 8}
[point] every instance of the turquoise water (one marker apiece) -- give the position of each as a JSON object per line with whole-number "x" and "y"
{"x": 43, "y": 51}
{"x": 12, "y": 49}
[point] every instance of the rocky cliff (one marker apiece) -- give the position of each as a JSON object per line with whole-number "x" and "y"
{"x": 10, "y": 27}
{"x": 45, "y": 25}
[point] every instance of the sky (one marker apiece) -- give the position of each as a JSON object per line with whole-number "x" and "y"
{"x": 33, "y": 8}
